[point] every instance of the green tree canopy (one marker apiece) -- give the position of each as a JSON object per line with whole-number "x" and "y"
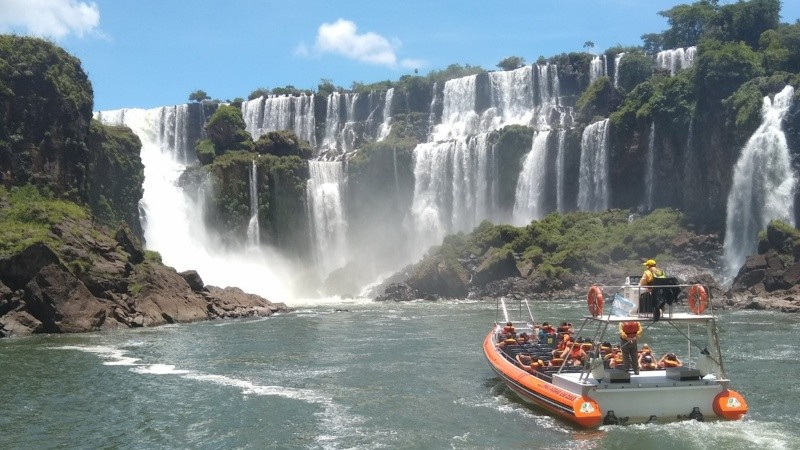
{"x": 511, "y": 63}
{"x": 198, "y": 96}
{"x": 226, "y": 130}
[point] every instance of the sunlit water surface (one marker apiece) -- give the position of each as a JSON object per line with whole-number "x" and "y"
{"x": 349, "y": 374}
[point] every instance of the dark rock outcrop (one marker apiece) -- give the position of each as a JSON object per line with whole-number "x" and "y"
{"x": 770, "y": 279}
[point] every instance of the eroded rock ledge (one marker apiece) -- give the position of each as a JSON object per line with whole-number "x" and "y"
{"x": 95, "y": 282}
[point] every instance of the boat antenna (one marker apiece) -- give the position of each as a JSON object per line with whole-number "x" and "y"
{"x": 505, "y": 311}
{"x": 533, "y": 322}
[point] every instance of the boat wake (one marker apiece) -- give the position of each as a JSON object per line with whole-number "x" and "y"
{"x": 336, "y": 422}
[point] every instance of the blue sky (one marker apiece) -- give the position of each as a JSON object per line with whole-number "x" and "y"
{"x": 148, "y": 53}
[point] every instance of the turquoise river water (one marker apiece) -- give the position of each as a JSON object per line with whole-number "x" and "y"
{"x": 350, "y": 374}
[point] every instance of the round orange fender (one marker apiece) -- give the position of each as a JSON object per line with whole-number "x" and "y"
{"x": 595, "y": 300}
{"x": 730, "y": 405}
{"x": 698, "y": 299}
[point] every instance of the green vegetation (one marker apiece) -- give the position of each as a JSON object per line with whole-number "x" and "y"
{"x": 226, "y": 131}
{"x": 199, "y": 96}
{"x": 27, "y": 216}
{"x": 560, "y": 245}
{"x": 511, "y": 63}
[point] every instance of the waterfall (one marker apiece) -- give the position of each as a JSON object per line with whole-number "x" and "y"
{"x": 530, "y": 192}
{"x": 676, "y": 59}
{"x": 253, "y": 231}
{"x": 386, "y": 125}
{"x": 173, "y": 220}
{"x": 562, "y": 137}
{"x": 597, "y": 68}
{"x": 650, "y": 168}
{"x": 763, "y": 184}
{"x": 454, "y": 187}
{"x": 432, "y": 108}
{"x": 281, "y": 112}
{"x": 617, "y": 60}
{"x": 593, "y": 190}
{"x": 340, "y": 137}
{"x": 512, "y": 97}
{"x": 326, "y": 215}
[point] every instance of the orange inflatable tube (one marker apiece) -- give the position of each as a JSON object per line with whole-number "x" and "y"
{"x": 730, "y": 405}
{"x": 580, "y": 409}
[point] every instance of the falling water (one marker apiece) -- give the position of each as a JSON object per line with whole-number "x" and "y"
{"x": 340, "y": 137}
{"x": 562, "y": 135}
{"x": 253, "y": 231}
{"x": 386, "y": 125}
{"x": 593, "y": 190}
{"x": 597, "y": 68}
{"x": 617, "y": 60}
{"x": 173, "y": 220}
{"x": 281, "y": 112}
{"x": 676, "y": 59}
{"x": 326, "y": 215}
{"x": 530, "y": 192}
{"x": 650, "y": 167}
{"x": 763, "y": 184}
{"x": 454, "y": 187}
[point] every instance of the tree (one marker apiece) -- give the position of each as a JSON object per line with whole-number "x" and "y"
{"x": 260, "y": 92}
{"x": 745, "y": 21}
{"x": 511, "y": 63}
{"x": 226, "y": 129}
{"x": 326, "y": 87}
{"x": 198, "y": 96}
{"x": 688, "y": 23}
{"x": 588, "y": 45}
{"x": 634, "y": 68}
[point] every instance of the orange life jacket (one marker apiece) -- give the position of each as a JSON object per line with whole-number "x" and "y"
{"x": 631, "y": 329}
{"x": 670, "y": 363}
{"x": 575, "y": 353}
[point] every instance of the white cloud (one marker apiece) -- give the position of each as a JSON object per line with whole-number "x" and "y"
{"x": 50, "y": 18}
{"x": 342, "y": 38}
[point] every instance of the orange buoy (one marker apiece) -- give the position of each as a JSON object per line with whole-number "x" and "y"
{"x": 698, "y": 299}
{"x": 595, "y": 300}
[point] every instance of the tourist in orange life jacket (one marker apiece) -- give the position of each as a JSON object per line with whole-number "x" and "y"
{"x": 648, "y": 363}
{"x": 669, "y": 360}
{"x": 524, "y": 359}
{"x": 566, "y": 340}
{"x": 575, "y": 355}
{"x": 646, "y": 350}
{"x": 508, "y": 330}
{"x": 616, "y": 361}
{"x": 629, "y": 333}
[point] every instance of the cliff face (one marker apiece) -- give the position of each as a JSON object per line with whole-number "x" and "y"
{"x": 47, "y": 139}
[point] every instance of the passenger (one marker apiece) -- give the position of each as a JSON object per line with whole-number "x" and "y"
{"x": 556, "y": 362}
{"x": 646, "y": 350}
{"x": 605, "y": 349}
{"x": 544, "y": 331}
{"x": 629, "y": 333}
{"x": 669, "y": 360}
{"x": 524, "y": 359}
{"x": 523, "y": 339}
{"x": 648, "y": 362}
{"x": 566, "y": 340}
{"x": 617, "y": 361}
{"x": 506, "y": 342}
{"x": 508, "y": 330}
{"x": 563, "y": 328}
{"x": 575, "y": 355}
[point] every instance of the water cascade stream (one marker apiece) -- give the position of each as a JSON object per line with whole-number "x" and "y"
{"x": 593, "y": 185}
{"x": 763, "y": 184}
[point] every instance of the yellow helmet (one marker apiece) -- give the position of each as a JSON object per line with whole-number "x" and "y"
{"x": 649, "y": 262}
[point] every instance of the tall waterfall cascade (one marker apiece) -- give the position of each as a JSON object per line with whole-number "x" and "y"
{"x": 326, "y": 212}
{"x": 529, "y": 197}
{"x": 763, "y": 185}
{"x": 281, "y": 112}
{"x": 593, "y": 183}
{"x": 455, "y": 172}
{"x": 676, "y": 60}
{"x": 173, "y": 220}
{"x": 560, "y": 176}
{"x": 597, "y": 68}
{"x": 386, "y": 125}
{"x": 617, "y": 61}
{"x": 650, "y": 171}
{"x": 253, "y": 229}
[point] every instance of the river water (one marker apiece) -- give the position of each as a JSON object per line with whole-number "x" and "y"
{"x": 350, "y": 374}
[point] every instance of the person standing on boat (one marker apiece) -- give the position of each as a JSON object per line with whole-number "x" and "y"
{"x": 630, "y": 332}
{"x": 651, "y": 272}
